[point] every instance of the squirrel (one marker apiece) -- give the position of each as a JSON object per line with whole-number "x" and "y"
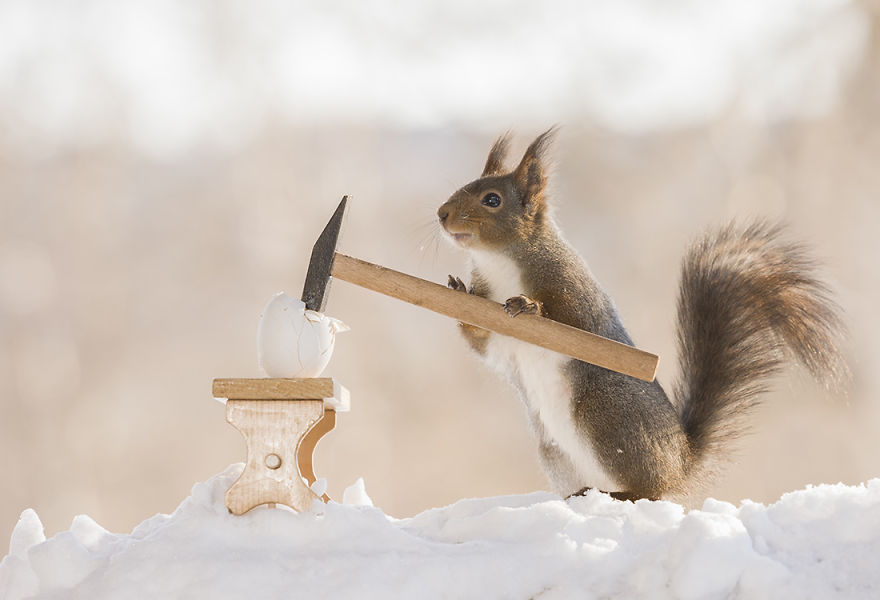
{"x": 749, "y": 302}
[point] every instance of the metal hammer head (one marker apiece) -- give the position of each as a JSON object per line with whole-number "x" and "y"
{"x": 314, "y": 293}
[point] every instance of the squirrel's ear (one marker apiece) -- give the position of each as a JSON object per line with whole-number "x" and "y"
{"x": 531, "y": 174}
{"x": 495, "y": 162}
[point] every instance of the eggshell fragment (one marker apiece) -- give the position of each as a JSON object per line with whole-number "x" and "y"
{"x": 293, "y": 341}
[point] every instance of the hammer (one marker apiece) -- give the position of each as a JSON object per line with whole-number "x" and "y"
{"x": 468, "y": 308}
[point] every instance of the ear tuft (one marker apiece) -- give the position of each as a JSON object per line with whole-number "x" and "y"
{"x": 531, "y": 174}
{"x": 495, "y": 162}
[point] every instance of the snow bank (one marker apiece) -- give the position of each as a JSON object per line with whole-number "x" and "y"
{"x": 821, "y": 542}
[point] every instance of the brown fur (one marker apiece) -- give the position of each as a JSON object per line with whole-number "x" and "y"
{"x": 747, "y": 301}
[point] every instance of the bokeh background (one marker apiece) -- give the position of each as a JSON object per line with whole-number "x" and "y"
{"x": 165, "y": 168}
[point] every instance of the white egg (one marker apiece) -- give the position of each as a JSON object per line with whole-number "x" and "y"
{"x": 293, "y": 341}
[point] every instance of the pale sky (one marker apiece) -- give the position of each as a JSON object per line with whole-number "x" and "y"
{"x": 164, "y": 75}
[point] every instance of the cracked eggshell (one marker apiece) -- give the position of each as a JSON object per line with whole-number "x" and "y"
{"x": 293, "y": 341}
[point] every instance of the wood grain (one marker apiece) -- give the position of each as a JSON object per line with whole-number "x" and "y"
{"x": 315, "y": 388}
{"x": 487, "y": 314}
{"x": 272, "y": 427}
{"x": 306, "y": 451}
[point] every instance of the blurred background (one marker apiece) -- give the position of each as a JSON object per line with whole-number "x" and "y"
{"x": 165, "y": 168}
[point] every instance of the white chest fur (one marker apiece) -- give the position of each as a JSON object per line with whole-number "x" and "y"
{"x": 539, "y": 375}
{"x": 501, "y": 273}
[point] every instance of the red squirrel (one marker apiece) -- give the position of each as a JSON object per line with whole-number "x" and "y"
{"x": 748, "y": 303}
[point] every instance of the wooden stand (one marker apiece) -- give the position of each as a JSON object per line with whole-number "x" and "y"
{"x": 281, "y": 421}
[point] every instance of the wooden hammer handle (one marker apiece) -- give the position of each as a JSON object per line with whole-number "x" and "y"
{"x": 487, "y": 314}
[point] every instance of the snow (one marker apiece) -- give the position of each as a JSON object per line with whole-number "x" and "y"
{"x": 820, "y": 542}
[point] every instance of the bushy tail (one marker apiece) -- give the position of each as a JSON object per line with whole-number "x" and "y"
{"x": 748, "y": 301}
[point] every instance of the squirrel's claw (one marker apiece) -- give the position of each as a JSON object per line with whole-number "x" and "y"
{"x": 455, "y": 283}
{"x": 522, "y": 305}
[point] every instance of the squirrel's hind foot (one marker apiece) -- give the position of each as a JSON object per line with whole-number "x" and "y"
{"x": 622, "y": 496}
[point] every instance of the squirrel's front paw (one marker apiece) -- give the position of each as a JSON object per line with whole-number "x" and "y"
{"x": 522, "y": 305}
{"x": 455, "y": 283}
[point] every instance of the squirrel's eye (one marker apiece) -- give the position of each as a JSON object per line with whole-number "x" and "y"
{"x": 492, "y": 200}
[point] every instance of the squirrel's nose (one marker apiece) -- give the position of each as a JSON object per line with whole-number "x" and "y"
{"x": 443, "y": 213}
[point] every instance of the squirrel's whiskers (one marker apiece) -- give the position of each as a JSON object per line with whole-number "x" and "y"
{"x": 748, "y": 302}
{"x": 428, "y": 240}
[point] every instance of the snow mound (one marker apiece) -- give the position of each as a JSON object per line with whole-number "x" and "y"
{"x": 820, "y": 542}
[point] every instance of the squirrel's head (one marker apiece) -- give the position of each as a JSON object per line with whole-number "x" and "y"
{"x": 501, "y": 207}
